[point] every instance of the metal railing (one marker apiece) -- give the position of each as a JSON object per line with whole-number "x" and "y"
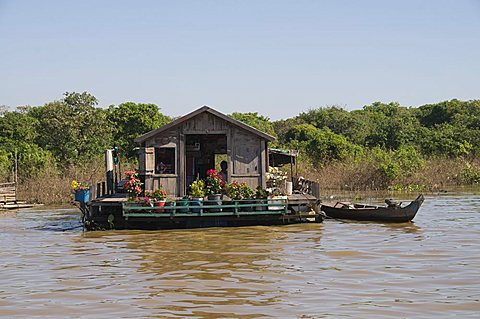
{"x": 194, "y": 208}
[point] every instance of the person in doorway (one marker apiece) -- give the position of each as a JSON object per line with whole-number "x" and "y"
{"x": 223, "y": 172}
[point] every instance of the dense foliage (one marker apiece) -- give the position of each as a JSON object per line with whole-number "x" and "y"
{"x": 390, "y": 139}
{"x": 71, "y": 131}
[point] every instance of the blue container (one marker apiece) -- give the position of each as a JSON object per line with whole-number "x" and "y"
{"x": 195, "y": 202}
{"x": 82, "y": 196}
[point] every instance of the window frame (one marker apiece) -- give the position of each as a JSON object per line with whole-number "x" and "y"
{"x": 175, "y": 160}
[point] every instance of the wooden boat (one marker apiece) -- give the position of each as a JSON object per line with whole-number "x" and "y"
{"x": 392, "y": 213}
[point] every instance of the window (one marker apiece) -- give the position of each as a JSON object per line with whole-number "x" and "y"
{"x": 165, "y": 160}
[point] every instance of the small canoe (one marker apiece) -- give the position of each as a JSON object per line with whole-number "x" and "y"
{"x": 393, "y": 213}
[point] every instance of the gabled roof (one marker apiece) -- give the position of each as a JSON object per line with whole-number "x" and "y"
{"x": 208, "y": 109}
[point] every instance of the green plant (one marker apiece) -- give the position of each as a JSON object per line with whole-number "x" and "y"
{"x": 133, "y": 185}
{"x": 233, "y": 190}
{"x": 261, "y": 193}
{"x": 246, "y": 191}
{"x": 276, "y": 177}
{"x": 77, "y": 187}
{"x": 159, "y": 194}
{"x": 198, "y": 188}
{"x": 213, "y": 183}
{"x": 470, "y": 174}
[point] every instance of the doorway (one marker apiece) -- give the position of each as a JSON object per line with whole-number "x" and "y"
{"x": 203, "y": 152}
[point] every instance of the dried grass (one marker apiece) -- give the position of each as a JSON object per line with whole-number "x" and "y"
{"x": 436, "y": 174}
{"x": 52, "y": 185}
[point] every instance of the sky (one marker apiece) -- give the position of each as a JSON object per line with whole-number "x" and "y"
{"x": 278, "y": 58}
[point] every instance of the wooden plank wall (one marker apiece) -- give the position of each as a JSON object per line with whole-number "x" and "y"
{"x": 205, "y": 123}
{"x": 247, "y": 152}
{"x": 169, "y": 182}
{"x": 8, "y": 193}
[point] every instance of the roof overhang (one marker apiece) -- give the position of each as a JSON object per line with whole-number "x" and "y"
{"x": 278, "y": 157}
{"x": 203, "y": 109}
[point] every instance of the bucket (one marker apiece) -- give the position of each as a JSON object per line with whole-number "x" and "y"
{"x": 289, "y": 188}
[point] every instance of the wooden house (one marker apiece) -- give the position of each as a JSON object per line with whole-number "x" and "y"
{"x": 175, "y": 154}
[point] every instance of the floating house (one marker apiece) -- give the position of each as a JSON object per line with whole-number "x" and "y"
{"x": 176, "y": 154}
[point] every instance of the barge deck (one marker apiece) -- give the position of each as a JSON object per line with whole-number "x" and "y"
{"x": 116, "y": 212}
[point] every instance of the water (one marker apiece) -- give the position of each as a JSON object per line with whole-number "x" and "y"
{"x": 49, "y": 268}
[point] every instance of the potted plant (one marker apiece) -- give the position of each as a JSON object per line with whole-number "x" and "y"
{"x": 81, "y": 191}
{"x": 276, "y": 178}
{"x": 246, "y": 191}
{"x": 214, "y": 185}
{"x": 146, "y": 201}
{"x": 198, "y": 193}
{"x": 276, "y": 200}
{"x": 159, "y": 197}
{"x": 183, "y": 202}
{"x": 233, "y": 191}
{"x": 261, "y": 195}
{"x": 133, "y": 186}
{"x": 248, "y": 194}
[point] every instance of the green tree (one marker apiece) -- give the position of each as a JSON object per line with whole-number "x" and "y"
{"x": 73, "y": 129}
{"x": 281, "y": 128}
{"x": 130, "y": 120}
{"x": 390, "y": 125}
{"x": 18, "y": 131}
{"x": 321, "y": 145}
{"x": 334, "y": 117}
{"x": 5, "y": 164}
{"x": 445, "y": 140}
{"x": 260, "y": 122}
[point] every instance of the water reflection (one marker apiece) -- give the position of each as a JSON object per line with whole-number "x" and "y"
{"x": 217, "y": 267}
{"x": 409, "y": 228}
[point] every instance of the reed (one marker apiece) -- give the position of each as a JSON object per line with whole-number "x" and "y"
{"x": 52, "y": 185}
{"x": 434, "y": 175}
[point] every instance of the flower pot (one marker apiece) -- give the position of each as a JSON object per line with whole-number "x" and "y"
{"x": 195, "y": 202}
{"x": 263, "y": 202}
{"x": 228, "y": 202}
{"x": 82, "y": 196}
{"x": 247, "y": 208}
{"x": 171, "y": 204}
{"x": 160, "y": 203}
{"x": 214, "y": 200}
{"x": 185, "y": 203}
{"x": 275, "y": 200}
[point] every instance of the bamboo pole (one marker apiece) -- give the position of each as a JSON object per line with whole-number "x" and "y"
{"x": 16, "y": 173}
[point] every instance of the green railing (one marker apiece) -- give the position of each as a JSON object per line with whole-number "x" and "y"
{"x": 207, "y": 208}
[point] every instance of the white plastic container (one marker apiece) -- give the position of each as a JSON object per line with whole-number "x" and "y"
{"x": 289, "y": 188}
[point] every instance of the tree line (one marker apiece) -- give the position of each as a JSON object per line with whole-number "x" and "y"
{"x": 395, "y": 139}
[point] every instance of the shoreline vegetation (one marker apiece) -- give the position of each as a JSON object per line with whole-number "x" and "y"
{"x": 380, "y": 147}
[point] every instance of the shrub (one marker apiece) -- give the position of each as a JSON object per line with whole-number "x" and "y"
{"x": 470, "y": 174}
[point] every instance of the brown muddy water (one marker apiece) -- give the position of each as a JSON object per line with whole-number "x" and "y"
{"x": 427, "y": 269}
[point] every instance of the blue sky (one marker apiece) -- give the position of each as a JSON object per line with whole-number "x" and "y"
{"x": 278, "y": 58}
